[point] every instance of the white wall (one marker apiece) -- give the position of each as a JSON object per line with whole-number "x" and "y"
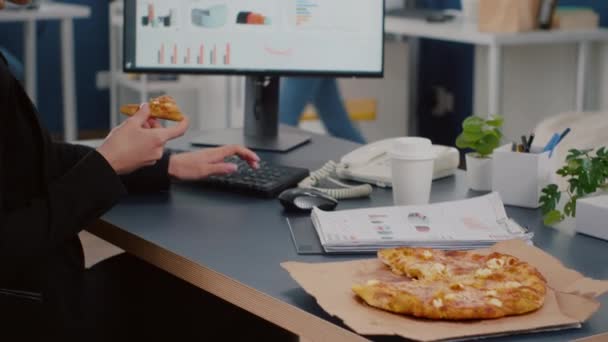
{"x": 602, "y": 88}
{"x": 540, "y": 81}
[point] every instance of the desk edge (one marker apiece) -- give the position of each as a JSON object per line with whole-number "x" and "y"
{"x": 271, "y": 309}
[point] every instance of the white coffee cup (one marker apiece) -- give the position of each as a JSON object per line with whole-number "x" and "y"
{"x": 412, "y": 161}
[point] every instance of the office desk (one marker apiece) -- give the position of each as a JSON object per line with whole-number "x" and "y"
{"x": 463, "y": 32}
{"x": 232, "y": 246}
{"x": 65, "y": 13}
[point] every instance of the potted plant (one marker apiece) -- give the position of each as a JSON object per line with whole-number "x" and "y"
{"x": 483, "y": 136}
{"x": 585, "y": 173}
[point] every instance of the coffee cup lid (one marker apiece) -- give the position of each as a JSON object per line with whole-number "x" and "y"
{"x": 412, "y": 148}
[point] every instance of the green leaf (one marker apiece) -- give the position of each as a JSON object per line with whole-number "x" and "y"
{"x": 564, "y": 171}
{"x": 462, "y": 143}
{"x": 573, "y": 184}
{"x": 568, "y": 208}
{"x": 491, "y": 131}
{"x": 481, "y": 135}
{"x": 585, "y": 172}
{"x": 550, "y": 198}
{"x": 550, "y": 189}
{"x": 473, "y": 124}
{"x": 472, "y": 137}
{"x": 498, "y": 133}
{"x": 572, "y": 154}
{"x": 553, "y": 217}
{"x": 574, "y": 166}
{"x": 495, "y": 121}
{"x": 487, "y": 145}
{"x": 586, "y": 164}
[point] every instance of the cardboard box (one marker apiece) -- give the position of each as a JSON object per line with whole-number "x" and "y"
{"x": 592, "y": 215}
{"x": 520, "y": 177}
{"x": 575, "y": 19}
{"x": 569, "y": 302}
{"x": 508, "y": 16}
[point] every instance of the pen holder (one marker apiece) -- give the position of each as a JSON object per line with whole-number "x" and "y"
{"x": 520, "y": 177}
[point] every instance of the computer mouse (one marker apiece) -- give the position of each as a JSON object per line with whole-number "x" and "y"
{"x": 299, "y": 199}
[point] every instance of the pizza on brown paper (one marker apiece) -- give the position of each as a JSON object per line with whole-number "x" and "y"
{"x": 455, "y": 285}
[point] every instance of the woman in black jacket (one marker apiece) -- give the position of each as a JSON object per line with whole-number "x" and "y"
{"x": 50, "y": 191}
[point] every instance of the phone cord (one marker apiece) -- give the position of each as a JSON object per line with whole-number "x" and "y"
{"x": 348, "y": 191}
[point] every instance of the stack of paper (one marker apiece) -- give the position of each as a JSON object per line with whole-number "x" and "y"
{"x": 468, "y": 224}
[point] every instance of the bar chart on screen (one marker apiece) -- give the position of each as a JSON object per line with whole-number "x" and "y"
{"x": 174, "y": 55}
{"x": 187, "y": 57}
{"x": 213, "y": 55}
{"x": 161, "y": 54}
{"x": 227, "y": 55}
{"x": 216, "y": 54}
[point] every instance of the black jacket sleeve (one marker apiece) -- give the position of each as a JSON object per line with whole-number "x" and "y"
{"x": 86, "y": 188}
{"x": 70, "y": 202}
{"x": 71, "y": 186}
{"x": 147, "y": 180}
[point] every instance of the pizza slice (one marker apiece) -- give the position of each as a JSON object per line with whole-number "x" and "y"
{"x": 445, "y": 301}
{"x": 163, "y": 107}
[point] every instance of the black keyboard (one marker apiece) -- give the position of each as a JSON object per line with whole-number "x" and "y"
{"x": 267, "y": 181}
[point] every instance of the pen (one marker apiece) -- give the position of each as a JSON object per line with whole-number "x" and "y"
{"x": 559, "y": 140}
{"x": 551, "y": 144}
{"x": 564, "y": 134}
{"x": 524, "y": 143}
{"x": 530, "y": 141}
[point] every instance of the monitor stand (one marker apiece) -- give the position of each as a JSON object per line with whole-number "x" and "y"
{"x": 261, "y": 130}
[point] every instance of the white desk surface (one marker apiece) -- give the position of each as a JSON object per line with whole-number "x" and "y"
{"x": 47, "y": 11}
{"x": 463, "y": 32}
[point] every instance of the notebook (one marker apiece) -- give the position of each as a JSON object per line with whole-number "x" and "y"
{"x": 468, "y": 224}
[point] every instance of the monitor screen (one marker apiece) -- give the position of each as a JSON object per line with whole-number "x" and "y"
{"x": 282, "y": 37}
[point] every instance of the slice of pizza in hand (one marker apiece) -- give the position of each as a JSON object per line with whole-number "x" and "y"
{"x": 163, "y": 107}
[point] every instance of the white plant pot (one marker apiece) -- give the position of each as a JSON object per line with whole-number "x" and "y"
{"x": 479, "y": 172}
{"x": 470, "y": 10}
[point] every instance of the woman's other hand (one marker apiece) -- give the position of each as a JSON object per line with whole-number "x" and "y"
{"x": 201, "y": 164}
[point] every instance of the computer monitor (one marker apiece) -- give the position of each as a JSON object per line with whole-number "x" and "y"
{"x": 261, "y": 39}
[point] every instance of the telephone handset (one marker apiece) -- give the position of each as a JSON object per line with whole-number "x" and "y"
{"x": 371, "y": 164}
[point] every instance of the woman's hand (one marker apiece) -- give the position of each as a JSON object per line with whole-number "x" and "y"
{"x": 201, "y": 164}
{"x": 138, "y": 142}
